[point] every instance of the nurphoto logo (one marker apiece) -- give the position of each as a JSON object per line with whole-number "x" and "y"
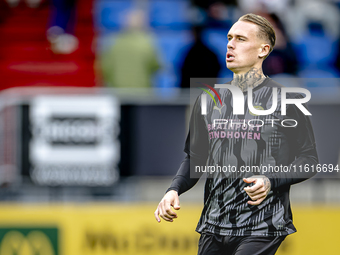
{"x": 238, "y": 100}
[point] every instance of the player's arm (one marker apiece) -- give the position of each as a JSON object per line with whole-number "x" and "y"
{"x": 297, "y": 171}
{"x": 196, "y": 148}
{"x": 302, "y": 139}
{"x": 180, "y": 184}
{"x": 264, "y": 184}
{"x": 303, "y": 142}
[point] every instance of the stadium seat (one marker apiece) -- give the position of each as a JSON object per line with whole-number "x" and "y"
{"x": 172, "y": 14}
{"x": 171, "y": 43}
{"x": 319, "y": 72}
{"x": 315, "y": 47}
{"x": 109, "y": 15}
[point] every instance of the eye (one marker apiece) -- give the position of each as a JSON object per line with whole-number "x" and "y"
{"x": 241, "y": 39}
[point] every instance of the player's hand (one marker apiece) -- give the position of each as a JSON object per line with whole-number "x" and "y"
{"x": 259, "y": 191}
{"x": 164, "y": 207}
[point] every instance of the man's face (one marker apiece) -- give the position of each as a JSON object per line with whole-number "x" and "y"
{"x": 244, "y": 47}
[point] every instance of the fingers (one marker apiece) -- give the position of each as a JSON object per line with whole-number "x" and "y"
{"x": 161, "y": 213}
{"x": 165, "y": 216}
{"x": 176, "y": 204}
{"x": 254, "y": 189}
{"x": 257, "y": 202}
{"x": 259, "y": 186}
{"x": 164, "y": 207}
{"x": 257, "y": 192}
{"x": 249, "y": 180}
{"x": 157, "y": 215}
{"x": 257, "y": 197}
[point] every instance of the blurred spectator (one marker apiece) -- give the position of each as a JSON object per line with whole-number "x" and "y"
{"x": 200, "y": 61}
{"x": 306, "y": 11}
{"x": 337, "y": 59}
{"x": 132, "y": 60}
{"x": 62, "y": 25}
{"x": 214, "y": 12}
{"x": 283, "y": 58}
{"x": 268, "y": 6}
{"x": 205, "y": 4}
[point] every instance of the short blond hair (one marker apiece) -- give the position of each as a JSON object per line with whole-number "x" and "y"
{"x": 266, "y": 29}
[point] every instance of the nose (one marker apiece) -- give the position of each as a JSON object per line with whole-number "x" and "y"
{"x": 230, "y": 44}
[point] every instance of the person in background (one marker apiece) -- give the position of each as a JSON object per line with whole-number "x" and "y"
{"x": 199, "y": 62}
{"x": 282, "y": 59}
{"x": 132, "y": 60}
{"x": 62, "y": 26}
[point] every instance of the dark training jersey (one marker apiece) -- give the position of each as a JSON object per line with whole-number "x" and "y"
{"x": 241, "y": 142}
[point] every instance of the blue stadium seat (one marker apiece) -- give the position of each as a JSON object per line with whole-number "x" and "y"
{"x": 319, "y": 72}
{"x": 172, "y": 43}
{"x": 316, "y": 47}
{"x": 172, "y": 14}
{"x": 110, "y": 14}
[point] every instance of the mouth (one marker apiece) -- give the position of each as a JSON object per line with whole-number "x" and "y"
{"x": 230, "y": 57}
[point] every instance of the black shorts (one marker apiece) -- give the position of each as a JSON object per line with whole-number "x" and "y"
{"x": 211, "y": 244}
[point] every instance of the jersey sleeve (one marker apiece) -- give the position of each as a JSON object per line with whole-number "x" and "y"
{"x": 196, "y": 148}
{"x": 304, "y": 147}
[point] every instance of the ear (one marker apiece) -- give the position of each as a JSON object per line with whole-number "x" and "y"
{"x": 264, "y": 50}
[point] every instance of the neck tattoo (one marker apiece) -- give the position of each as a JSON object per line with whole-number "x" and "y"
{"x": 250, "y": 79}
